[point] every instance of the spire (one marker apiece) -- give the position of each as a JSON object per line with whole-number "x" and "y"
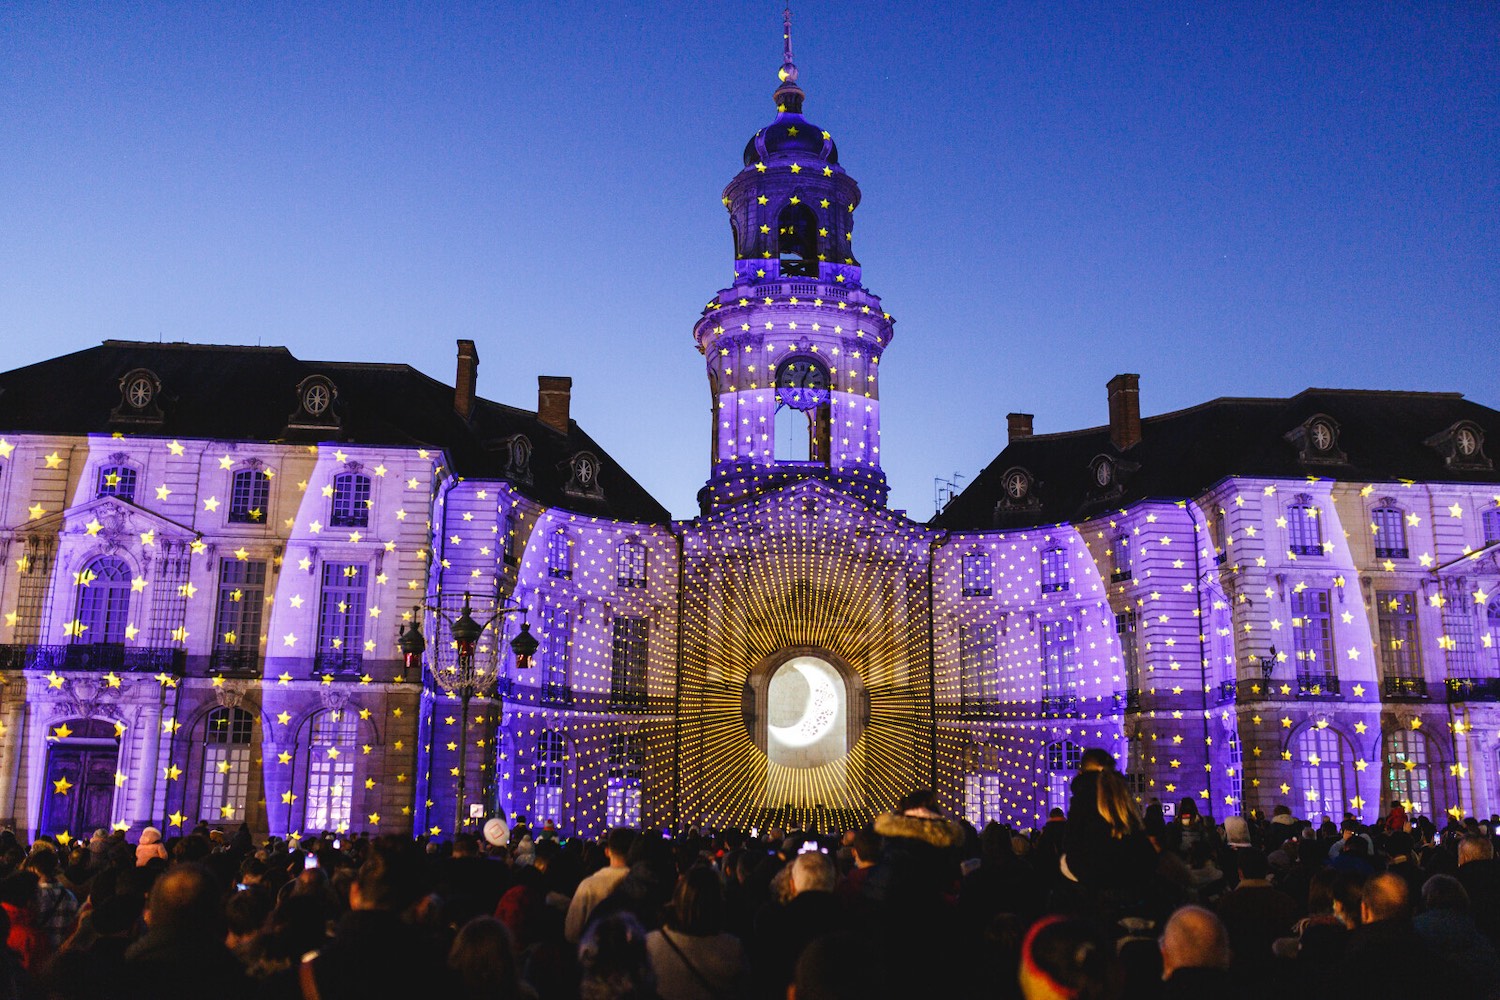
{"x": 788, "y": 96}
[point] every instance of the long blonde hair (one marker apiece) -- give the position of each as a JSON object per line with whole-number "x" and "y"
{"x": 1116, "y": 805}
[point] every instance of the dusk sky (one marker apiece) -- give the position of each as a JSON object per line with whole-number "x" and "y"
{"x": 1228, "y": 199}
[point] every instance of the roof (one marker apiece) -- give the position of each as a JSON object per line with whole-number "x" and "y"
{"x": 1380, "y": 437}
{"x": 250, "y": 394}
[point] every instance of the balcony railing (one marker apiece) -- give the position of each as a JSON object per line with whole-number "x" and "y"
{"x": 1317, "y": 686}
{"x": 233, "y": 660}
{"x": 555, "y": 695}
{"x": 1228, "y": 691}
{"x": 1403, "y": 689}
{"x": 338, "y": 661}
{"x": 1473, "y": 689}
{"x": 95, "y": 656}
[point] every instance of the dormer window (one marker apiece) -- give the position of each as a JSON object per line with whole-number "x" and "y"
{"x": 140, "y": 398}
{"x": 316, "y": 396}
{"x": 583, "y": 480}
{"x": 1462, "y": 446}
{"x": 1317, "y": 441}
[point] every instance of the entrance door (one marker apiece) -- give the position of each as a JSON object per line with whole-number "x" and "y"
{"x": 79, "y": 796}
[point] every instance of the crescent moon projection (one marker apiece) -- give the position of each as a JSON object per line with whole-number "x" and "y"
{"x": 819, "y": 711}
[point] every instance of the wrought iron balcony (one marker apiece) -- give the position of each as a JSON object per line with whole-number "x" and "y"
{"x": 973, "y": 704}
{"x": 1474, "y": 689}
{"x": 1060, "y": 705}
{"x": 1228, "y": 691}
{"x": 338, "y": 661}
{"x": 1403, "y": 689}
{"x": 1132, "y": 699}
{"x": 556, "y": 695}
{"x": 627, "y": 698}
{"x": 1317, "y": 686}
{"x": 242, "y": 660}
{"x": 102, "y": 657}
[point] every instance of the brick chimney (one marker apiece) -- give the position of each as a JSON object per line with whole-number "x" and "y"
{"x": 554, "y": 395}
{"x": 1017, "y": 426}
{"x": 1125, "y": 411}
{"x": 467, "y": 379}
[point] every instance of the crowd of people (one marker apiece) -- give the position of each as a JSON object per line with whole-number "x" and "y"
{"x": 1102, "y": 900}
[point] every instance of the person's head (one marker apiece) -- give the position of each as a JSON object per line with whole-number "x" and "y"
{"x": 1398, "y": 845}
{"x": 1194, "y": 938}
{"x": 698, "y": 903}
{"x": 1396, "y": 805}
{"x": 1349, "y": 827}
{"x": 839, "y": 966}
{"x": 465, "y": 845}
{"x": 390, "y": 880}
{"x": 1251, "y": 863}
{"x": 865, "y": 846}
{"x": 484, "y": 960}
{"x": 813, "y": 872}
{"x": 617, "y": 846}
{"x": 44, "y": 863}
{"x": 1444, "y": 892}
{"x": 614, "y": 960}
{"x": 1096, "y": 759}
{"x": 1475, "y": 847}
{"x": 1348, "y": 898}
{"x": 185, "y": 899}
{"x": 1063, "y": 958}
{"x": 1386, "y": 897}
{"x": 1187, "y": 809}
{"x": 1115, "y": 804}
{"x": 1237, "y": 831}
{"x": 245, "y": 914}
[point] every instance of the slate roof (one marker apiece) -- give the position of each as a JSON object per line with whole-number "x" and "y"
{"x": 249, "y": 394}
{"x": 1382, "y": 437}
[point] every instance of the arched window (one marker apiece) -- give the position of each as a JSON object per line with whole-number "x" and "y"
{"x": 103, "y": 602}
{"x": 249, "y": 496}
{"x": 117, "y": 481}
{"x": 226, "y": 765}
{"x": 559, "y": 558}
{"x": 1054, "y": 570}
{"x": 1318, "y": 754}
{"x": 793, "y": 435}
{"x": 329, "y": 801}
{"x": 797, "y": 239}
{"x": 1408, "y": 777}
{"x": 1388, "y": 523}
{"x": 551, "y": 773}
{"x": 1304, "y": 530}
{"x": 627, "y": 758}
{"x": 351, "y": 501}
{"x": 1064, "y": 758}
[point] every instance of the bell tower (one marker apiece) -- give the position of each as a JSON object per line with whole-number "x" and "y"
{"x": 793, "y": 347}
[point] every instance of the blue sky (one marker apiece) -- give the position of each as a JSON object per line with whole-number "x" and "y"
{"x": 1229, "y": 199}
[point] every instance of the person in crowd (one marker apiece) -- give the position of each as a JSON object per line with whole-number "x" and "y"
{"x": 1447, "y": 927}
{"x": 1063, "y": 959}
{"x": 56, "y": 907}
{"x": 183, "y": 948}
{"x": 841, "y": 966}
{"x": 693, "y": 955}
{"x": 1479, "y": 873}
{"x": 593, "y": 889}
{"x": 483, "y": 962}
{"x": 1385, "y": 953}
{"x": 150, "y": 848}
{"x": 614, "y": 962}
{"x": 1255, "y": 913}
{"x": 1195, "y": 956}
{"x": 782, "y": 931}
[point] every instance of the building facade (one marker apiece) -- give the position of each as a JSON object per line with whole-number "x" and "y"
{"x": 208, "y": 553}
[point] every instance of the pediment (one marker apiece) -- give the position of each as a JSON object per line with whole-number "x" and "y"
{"x": 110, "y": 518}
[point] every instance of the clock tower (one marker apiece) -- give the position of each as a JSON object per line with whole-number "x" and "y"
{"x": 793, "y": 347}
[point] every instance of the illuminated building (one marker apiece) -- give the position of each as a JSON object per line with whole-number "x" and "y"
{"x": 207, "y": 552}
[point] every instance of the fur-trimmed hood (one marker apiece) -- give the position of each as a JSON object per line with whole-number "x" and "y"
{"x": 938, "y": 831}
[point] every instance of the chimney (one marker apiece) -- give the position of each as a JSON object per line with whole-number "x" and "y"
{"x": 467, "y": 379}
{"x": 554, "y": 394}
{"x": 1017, "y": 426}
{"x": 1125, "y": 411}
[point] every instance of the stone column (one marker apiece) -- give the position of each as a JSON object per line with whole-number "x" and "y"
{"x": 11, "y": 749}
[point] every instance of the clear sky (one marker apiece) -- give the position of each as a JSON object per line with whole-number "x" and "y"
{"x": 1229, "y": 199}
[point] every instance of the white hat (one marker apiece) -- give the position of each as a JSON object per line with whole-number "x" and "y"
{"x": 496, "y": 833}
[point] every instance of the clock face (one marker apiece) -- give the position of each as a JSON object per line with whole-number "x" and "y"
{"x": 139, "y": 392}
{"x": 801, "y": 383}
{"x": 1322, "y": 436}
{"x": 1467, "y": 441}
{"x": 1016, "y": 484}
{"x": 1104, "y": 473}
{"x": 315, "y": 399}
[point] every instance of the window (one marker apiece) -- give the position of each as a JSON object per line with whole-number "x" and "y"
{"x": 1130, "y": 650}
{"x": 1388, "y": 523}
{"x": 797, "y": 241}
{"x": 1491, "y": 522}
{"x": 1400, "y": 661}
{"x": 1218, "y": 529}
{"x": 556, "y": 629}
{"x": 977, "y": 582}
{"x": 1121, "y": 556}
{"x": 341, "y": 616}
{"x": 1312, "y": 638}
{"x": 242, "y": 590}
{"x": 249, "y": 496}
{"x": 1054, "y": 570}
{"x": 551, "y": 767}
{"x": 1063, "y": 761}
{"x": 1408, "y": 777}
{"x": 1136, "y": 762}
{"x": 330, "y": 772}
{"x": 559, "y": 558}
{"x": 226, "y": 765}
{"x": 627, "y": 678}
{"x": 1059, "y": 666}
{"x": 351, "y": 501}
{"x": 622, "y": 806}
{"x": 630, "y": 565}
{"x": 1236, "y": 771}
{"x": 1460, "y": 640}
{"x": 510, "y": 545}
{"x": 982, "y": 800}
{"x": 117, "y": 481}
{"x": 978, "y": 676}
{"x": 1319, "y": 756}
{"x": 103, "y": 602}
{"x": 1304, "y": 531}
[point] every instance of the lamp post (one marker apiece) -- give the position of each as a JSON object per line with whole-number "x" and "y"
{"x": 466, "y": 670}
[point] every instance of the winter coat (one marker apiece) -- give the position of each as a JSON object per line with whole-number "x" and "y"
{"x": 149, "y": 847}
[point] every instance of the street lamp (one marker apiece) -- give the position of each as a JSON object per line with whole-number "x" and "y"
{"x": 469, "y": 671}
{"x": 1266, "y": 662}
